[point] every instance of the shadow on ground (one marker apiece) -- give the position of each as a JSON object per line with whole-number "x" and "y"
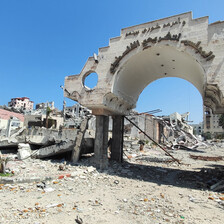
{"x": 200, "y": 178}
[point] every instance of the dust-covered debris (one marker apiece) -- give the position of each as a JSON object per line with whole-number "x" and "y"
{"x": 144, "y": 188}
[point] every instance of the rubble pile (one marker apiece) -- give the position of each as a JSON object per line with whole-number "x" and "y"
{"x": 177, "y": 133}
{"x": 136, "y": 191}
{"x": 47, "y": 132}
{"x": 148, "y": 187}
{"x": 40, "y": 142}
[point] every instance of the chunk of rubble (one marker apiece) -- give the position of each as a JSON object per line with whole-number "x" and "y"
{"x": 24, "y": 151}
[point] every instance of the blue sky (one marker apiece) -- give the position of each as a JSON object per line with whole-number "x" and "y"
{"x": 42, "y": 41}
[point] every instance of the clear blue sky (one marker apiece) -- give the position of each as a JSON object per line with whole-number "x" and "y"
{"x": 42, "y": 41}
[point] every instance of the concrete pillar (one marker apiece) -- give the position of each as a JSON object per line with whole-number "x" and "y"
{"x": 117, "y": 139}
{"x": 101, "y": 141}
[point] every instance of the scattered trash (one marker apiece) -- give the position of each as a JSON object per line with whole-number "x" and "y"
{"x": 41, "y": 185}
{"x": 54, "y": 205}
{"x": 48, "y": 189}
{"x": 116, "y": 181}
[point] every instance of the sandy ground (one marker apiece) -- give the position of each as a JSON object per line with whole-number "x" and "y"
{"x": 147, "y": 188}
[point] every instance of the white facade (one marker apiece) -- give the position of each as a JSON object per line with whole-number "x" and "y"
{"x": 23, "y": 103}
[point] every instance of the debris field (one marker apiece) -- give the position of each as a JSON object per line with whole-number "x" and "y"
{"x": 148, "y": 187}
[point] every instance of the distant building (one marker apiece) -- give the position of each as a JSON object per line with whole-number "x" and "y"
{"x": 45, "y": 105}
{"x": 23, "y": 103}
{"x": 211, "y": 123}
{"x": 198, "y": 128}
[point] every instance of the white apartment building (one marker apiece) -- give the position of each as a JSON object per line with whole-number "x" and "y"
{"x": 21, "y": 103}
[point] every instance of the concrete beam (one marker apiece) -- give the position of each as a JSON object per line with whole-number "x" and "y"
{"x": 79, "y": 139}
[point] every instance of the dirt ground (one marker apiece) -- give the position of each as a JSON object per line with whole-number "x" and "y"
{"x": 147, "y": 188}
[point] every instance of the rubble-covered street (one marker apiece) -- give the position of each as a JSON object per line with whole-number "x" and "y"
{"x": 147, "y": 188}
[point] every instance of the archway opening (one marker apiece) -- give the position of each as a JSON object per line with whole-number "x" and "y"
{"x": 152, "y": 64}
{"x": 179, "y": 81}
{"x": 172, "y": 95}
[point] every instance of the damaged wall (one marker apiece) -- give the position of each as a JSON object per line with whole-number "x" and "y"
{"x": 10, "y": 121}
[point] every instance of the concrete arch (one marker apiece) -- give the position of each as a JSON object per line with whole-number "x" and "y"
{"x": 144, "y": 53}
{"x": 155, "y": 63}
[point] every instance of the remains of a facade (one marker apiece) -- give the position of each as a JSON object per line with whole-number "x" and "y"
{"x": 177, "y": 46}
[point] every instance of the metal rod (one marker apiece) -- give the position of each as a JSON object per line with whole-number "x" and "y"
{"x": 152, "y": 140}
{"x": 153, "y": 111}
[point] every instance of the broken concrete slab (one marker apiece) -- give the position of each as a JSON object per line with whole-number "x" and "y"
{"x": 24, "y": 151}
{"x": 54, "y": 149}
{"x": 63, "y": 147}
{"x": 79, "y": 139}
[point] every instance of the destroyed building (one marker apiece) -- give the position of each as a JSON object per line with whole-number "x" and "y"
{"x": 147, "y": 122}
{"x": 177, "y": 46}
{"x": 45, "y": 105}
{"x": 46, "y": 131}
{"x": 39, "y": 120}
{"x": 43, "y": 114}
{"x": 73, "y": 115}
{"x": 67, "y": 126}
{"x": 174, "y": 129}
{"x": 171, "y": 130}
